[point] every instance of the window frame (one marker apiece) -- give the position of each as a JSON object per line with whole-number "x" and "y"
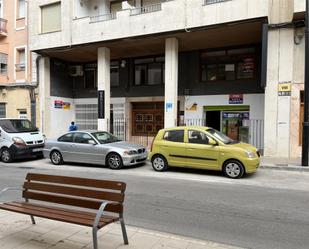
{"x": 41, "y": 18}
{"x": 75, "y": 134}
{"x": 146, "y": 64}
{"x": 226, "y": 49}
{"x": 4, "y": 72}
{"x": 18, "y": 16}
{"x": 67, "y": 134}
{"x": 205, "y": 134}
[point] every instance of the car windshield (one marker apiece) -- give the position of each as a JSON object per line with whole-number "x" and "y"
{"x": 105, "y": 137}
{"x": 220, "y": 136}
{"x": 17, "y": 125}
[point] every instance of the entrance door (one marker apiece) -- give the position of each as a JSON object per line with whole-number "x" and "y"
{"x": 213, "y": 119}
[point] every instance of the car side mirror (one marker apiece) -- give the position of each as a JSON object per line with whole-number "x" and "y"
{"x": 92, "y": 142}
{"x": 212, "y": 142}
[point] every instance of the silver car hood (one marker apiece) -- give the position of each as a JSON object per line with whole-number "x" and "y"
{"x": 124, "y": 145}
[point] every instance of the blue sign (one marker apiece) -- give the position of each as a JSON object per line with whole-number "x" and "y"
{"x": 168, "y": 106}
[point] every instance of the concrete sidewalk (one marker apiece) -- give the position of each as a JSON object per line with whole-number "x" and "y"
{"x": 291, "y": 164}
{"x": 17, "y": 232}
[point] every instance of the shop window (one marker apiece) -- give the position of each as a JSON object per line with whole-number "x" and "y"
{"x": 114, "y": 73}
{"x": 2, "y": 110}
{"x": 51, "y": 17}
{"x": 3, "y": 63}
{"x": 227, "y": 65}
{"x": 21, "y": 8}
{"x": 149, "y": 71}
{"x": 90, "y": 76}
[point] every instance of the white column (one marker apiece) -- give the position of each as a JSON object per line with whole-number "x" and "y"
{"x": 171, "y": 82}
{"x": 44, "y": 96}
{"x": 104, "y": 86}
{"x": 277, "y": 108}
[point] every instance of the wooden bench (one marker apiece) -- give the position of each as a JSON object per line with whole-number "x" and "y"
{"x": 76, "y": 196}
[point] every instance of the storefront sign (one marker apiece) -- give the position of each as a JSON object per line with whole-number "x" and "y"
{"x": 284, "y": 89}
{"x": 192, "y": 107}
{"x": 59, "y": 104}
{"x": 101, "y": 104}
{"x": 236, "y": 99}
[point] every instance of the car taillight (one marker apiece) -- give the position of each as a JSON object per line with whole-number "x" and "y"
{"x": 152, "y": 144}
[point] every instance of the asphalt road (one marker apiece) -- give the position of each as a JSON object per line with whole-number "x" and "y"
{"x": 267, "y": 210}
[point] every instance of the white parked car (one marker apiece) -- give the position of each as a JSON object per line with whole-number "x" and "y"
{"x": 19, "y": 138}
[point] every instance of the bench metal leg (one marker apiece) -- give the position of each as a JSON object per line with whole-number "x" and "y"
{"x": 32, "y": 219}
{"x": 95, "y": 238}
{"x": 124, "y": 232}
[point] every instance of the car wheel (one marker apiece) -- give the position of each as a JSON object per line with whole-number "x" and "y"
{"x": 114, "y": 161}
{"x": 56, "y": 157}
{"x": 159, "y": 163}
{"x": 6, "y": 155}
{"x": 233, "y": 169}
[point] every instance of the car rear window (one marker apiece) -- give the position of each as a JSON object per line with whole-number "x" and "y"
{"x": 174, "y": 136}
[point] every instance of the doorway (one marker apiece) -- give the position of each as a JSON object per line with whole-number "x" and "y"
{"x": 213, "y": 119}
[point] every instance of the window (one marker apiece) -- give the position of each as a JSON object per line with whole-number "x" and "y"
{"x": 2, "y": 110}
{"x": 197, "y": 137}
{"x": 82, "y": 138}
{"x": 114, "y": 73}
{"x": 117, "y": 5}
{"x": 3, "y": 63}
{"x": 21, "y": 59}
{"x": 149, "y": 71}
{"x": 174, "y": 136}
{"x": 68, "y": 138}
{"x": 227, "y": 65}
{"x": 90, "y": 78}
{"x": 51, "y": 18}
{"x": 21, "y": 9}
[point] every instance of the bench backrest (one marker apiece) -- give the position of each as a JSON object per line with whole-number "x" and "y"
{"x": 74, "y": 191}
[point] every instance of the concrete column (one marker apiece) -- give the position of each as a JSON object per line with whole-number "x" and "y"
{"x": 171, "y": 82}
{"x": 104, "y": 87}
{"x": 277, "y": 108}
{"x": 44, "y": 95}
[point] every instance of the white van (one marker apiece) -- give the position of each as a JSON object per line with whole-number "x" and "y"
{"x": 19, "y": 138}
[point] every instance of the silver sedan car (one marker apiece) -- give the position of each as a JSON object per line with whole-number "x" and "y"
{"x": 95, "y": 147}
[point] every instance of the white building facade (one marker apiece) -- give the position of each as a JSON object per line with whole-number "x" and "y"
{"x": 134, "y": 67}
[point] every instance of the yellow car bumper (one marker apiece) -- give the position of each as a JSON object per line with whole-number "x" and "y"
{"x": 252, "y": 164}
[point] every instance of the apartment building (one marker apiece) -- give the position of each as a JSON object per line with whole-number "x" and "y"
{"x": 235, "y": 65}
{"x": 17, "y": 94}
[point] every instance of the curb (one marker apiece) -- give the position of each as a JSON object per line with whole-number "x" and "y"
{"x": 285, "y": 168}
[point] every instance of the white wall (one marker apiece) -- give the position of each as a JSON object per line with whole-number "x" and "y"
{"x": 175, "y": 15}
{"x": 299, "y": 5}
{"x": 60, "y": 119}
{"x": 255, "y": 101}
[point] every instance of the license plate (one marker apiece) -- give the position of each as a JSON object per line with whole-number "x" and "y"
{"x": 37, "y": 150}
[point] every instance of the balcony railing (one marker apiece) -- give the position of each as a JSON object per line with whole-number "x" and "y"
{"x": 3, "y": 24}
{"x": 146, "y": 9}
{"x": 207, "y": 2}
{"x": 102, "y": 18}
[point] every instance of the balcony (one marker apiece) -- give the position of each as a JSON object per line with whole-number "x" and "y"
{"x": 207, "y": 2}
{"x": 146, "y": 9}
{"x": 3, "y": 29}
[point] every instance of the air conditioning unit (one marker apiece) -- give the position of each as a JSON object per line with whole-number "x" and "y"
{"x": 76, "y": 71}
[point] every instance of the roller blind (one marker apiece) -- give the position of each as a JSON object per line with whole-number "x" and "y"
{"x": 51, "y": 17}
{"x": 21, "y": 8}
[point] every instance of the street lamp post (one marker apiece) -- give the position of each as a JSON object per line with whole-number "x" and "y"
{"x": 305, "y": 142}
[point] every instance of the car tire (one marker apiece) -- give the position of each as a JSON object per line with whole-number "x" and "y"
{"x": 6, "y": 155}
{"x": 114, "y": 161}
{"x": 159, "y": 163}
{"x": 233, "y": 169}
{"x": 56, "y": 157}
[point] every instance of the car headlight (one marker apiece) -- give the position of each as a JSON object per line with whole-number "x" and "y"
{"x": 18, "y": 141}
{"x": 250, "y": 154}
{"x": 130, "y": 152}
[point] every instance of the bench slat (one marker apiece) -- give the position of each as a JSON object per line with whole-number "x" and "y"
{"x": 78, "y": 202}
{"x": 59, "y": 217}
{"x": 77, "y": 181}
{"x": 88, "y": 193}
{"x": 69, "y": 212}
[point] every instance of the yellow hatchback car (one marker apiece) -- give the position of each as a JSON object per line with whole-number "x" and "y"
{"x": 203, "y": 148}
